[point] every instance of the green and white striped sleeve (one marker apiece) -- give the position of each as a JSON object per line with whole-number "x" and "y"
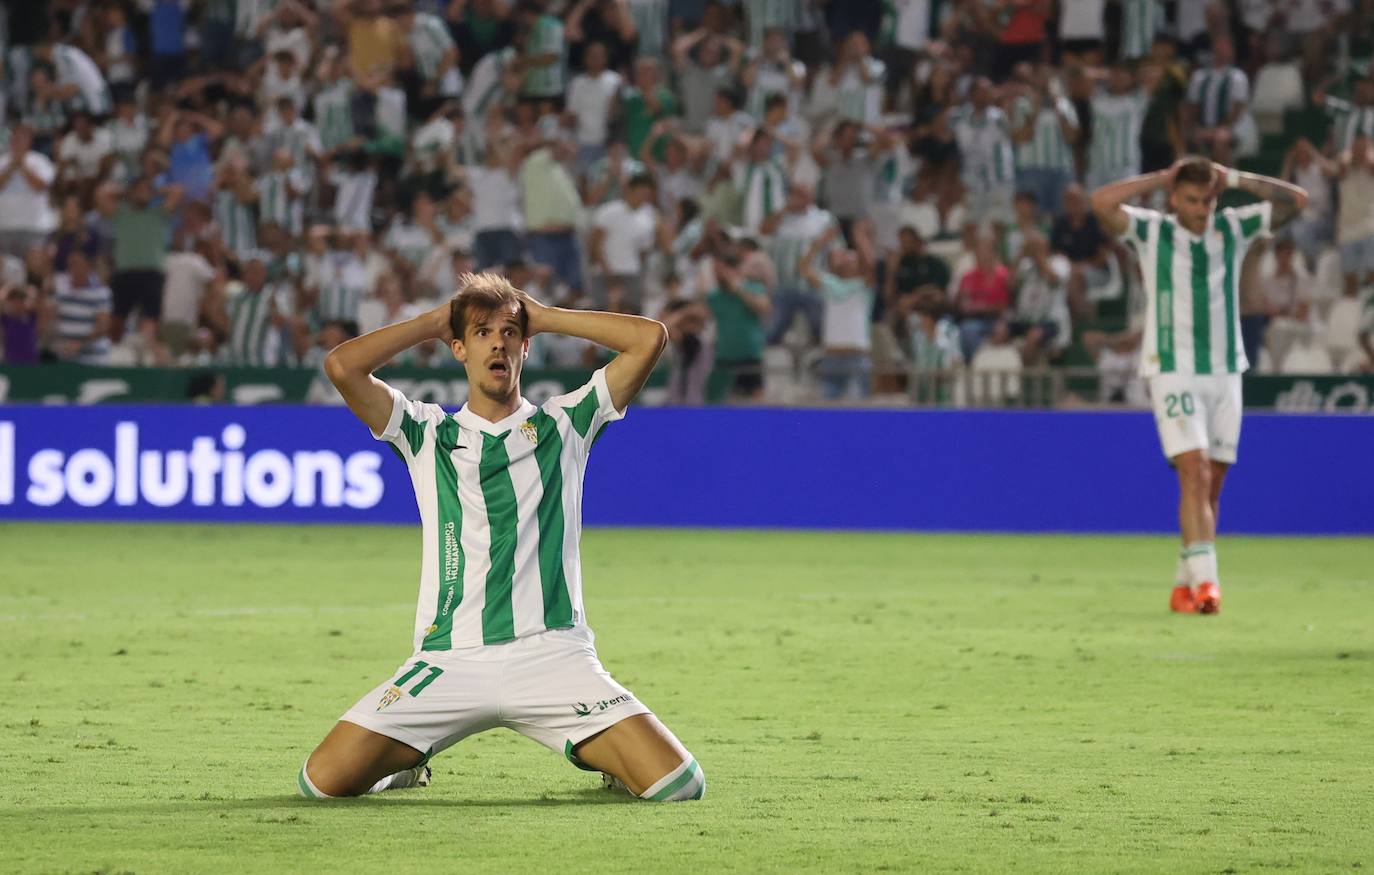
{"x": 1137, "y": 232}
{"x": 1254, "y": 220}
{"x": 409, "y": 422}
{"x": 589, "y": 408}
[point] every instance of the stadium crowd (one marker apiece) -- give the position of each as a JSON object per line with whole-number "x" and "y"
{"x": 855, "y": 191}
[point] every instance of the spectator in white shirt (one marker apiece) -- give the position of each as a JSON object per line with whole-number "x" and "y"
{"x": 623, "y": 233}
{"x": 26, "y": 215}
{"x": 591, "y": 97}
{"x": 84, "y": 156}
{"x": 497, "y": 218}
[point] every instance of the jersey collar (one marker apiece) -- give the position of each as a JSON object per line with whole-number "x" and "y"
{"x": 467, "y": 419}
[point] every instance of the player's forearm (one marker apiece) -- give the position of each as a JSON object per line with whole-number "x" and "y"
{"x": 1287, "y": 198}
{"x": 1107, "y": 200}
{"x": 1110, "y": 197}
{"x": 359, "y": 357}
{"x": 618, "y": 331}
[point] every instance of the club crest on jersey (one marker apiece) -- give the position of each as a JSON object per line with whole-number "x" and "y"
{"x": 388, "y": 697}
{"x": 530, "y": 430}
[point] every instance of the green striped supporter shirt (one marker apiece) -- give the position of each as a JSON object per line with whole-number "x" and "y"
{"x": 252, "y": 340}
{"x": 1047, "y": 147}
{"x": 500, "y": 513}
{"x": 429, "y": 41}
{"x": 1140, "y": 21}
{"x": 546, "y": 38}
{"x": 1117, "y": 120}
{"x": 1192, "y": 313}
{"x": 1351, "y": 120}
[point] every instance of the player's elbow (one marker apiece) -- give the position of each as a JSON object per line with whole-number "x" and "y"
{"x": 655, "y": 337}
{"x": 335, "y": 368}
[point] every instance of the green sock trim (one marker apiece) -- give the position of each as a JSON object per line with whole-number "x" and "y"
{"x": 572, "y": 757}
{"x": 678, "y": 783}
{"x": 305, "y": 787}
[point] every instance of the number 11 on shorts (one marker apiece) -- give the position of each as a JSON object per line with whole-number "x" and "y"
{"x": 434, "y": 672}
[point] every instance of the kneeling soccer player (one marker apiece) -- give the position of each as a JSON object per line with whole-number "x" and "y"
{"x": 501, "y": 639}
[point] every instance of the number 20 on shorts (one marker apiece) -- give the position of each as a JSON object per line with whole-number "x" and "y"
{"x": 1174, "y": 403}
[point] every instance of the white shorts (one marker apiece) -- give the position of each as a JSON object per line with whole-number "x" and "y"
{"x": 1198, "y": 413}
{"x": 549, "y": 687}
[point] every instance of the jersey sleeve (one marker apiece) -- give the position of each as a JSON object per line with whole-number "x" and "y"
{"x": 589, "y": 408}
{"x": 1138, "y": 222}
{"x": 410, "y": 420}
{"x": 1254, "y": 220}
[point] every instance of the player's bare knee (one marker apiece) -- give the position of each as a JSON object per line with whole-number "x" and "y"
{"x": 685, "y": 783}
{"x": 318, "y": 781}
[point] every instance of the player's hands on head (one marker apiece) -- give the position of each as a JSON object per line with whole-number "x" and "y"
{"x": 439, "y": 322}
{"x": 1219, "y": 172}
{"x": 538, "y": 313}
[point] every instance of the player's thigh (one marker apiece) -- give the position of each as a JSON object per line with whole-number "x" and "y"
{"x": 351, "y": 759}
{"x": 430, "y": 702}
{"x": 556, "y": 692}
{"x": 1180, "y": 414}
{"x": 638, "y": 750}
{"x": 1225, "y": 406}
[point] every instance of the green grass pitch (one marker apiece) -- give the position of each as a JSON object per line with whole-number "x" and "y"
{"x": 859, "y": 703}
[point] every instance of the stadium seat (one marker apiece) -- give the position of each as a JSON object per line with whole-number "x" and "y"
{"x": 1308, "y": 359}
{"x": 1343, "y": 329}
{"x": 1329, "y": 280}
{"x": 780, "y": 383}
{"x": 994, "y": 376}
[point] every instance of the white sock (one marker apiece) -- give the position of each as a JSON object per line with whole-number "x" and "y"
{"x": 687, "y": 781}
{"x": 1201, "y": 558}
{"x": 1181, "y": 575}
{"x": 307, "y": 788}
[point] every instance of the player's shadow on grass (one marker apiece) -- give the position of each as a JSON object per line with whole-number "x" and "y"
{"x": 296, "y": 804}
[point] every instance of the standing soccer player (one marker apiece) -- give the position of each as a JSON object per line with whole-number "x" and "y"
{"x": 501, "y": 639}
{"x": 1191, "y": 352}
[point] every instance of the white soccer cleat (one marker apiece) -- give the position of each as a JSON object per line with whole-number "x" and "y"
{"x": 610, "y": 782}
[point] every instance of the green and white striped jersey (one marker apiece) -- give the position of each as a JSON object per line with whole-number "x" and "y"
{"x": 1192, "y": 313}
{"x": 429, "y": 41}
{"x": 1216, "y": 91}
{"x": 546, "y": 38}
{"x": 1047, "y": 147}
{"x": 765, "y": 14}
{"x": 858, "y": 99}
{"x": 281, "y": 199}
{"x": 334, "y": 114}
{"x": 238, "y": 226}
{"x": 1351, "y": 120}
{"x": 500, "y": 514}
{"x": 790, "y": 241}
{"x": 1117, "y": 120}
{"x": 1140, "y": 21}
{"x": 651, "y": 25}
{"x": 252, "y": 340}
{"x": 985, "y": 148}
{"x": 763, "y": 189}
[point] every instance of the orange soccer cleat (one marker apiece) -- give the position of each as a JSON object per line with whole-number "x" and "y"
{"x": 1208, "y": 598}
{"x": 1181, "y": 601}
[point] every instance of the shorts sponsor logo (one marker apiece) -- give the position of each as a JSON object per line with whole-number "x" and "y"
{"x": 582, "y": 709}
{"x": 389, "y": 697}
